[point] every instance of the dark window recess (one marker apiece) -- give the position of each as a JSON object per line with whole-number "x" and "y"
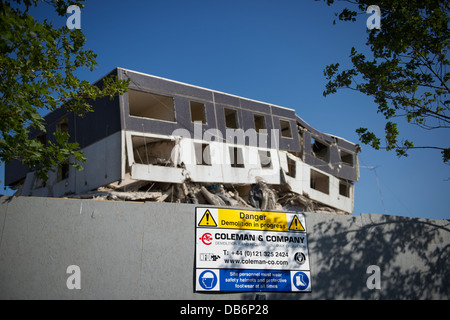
{"x": 42, "y": 138}
{"x": 231, "y": 120}
{"x": 292, "y": 172}
{"x": 346, "y": 158}
{"x": 320, "y": 182}
{"x": 260, "y": 123}
{"x": 151, "y": 105}
{"x": 300, "y": 140}
{"x": 63, "y": 172}
{"x": 202, "y": 154}
{"x": 265, "y": 159}
{"x": 63, "y": 125}
{"x": 344, "y": 189}
{"x": 236, "y": 157}
{"x": 197, "y": 112}
{"x": 285, "y": 127}
{"x": 319, "y": 150}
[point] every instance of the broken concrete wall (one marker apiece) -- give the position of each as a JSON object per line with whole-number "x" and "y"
{"x": 332, "y": 163}
{"x": 106, "y": 165}
{"x": 146, "y": 251}
{"x": 283, "y": 169}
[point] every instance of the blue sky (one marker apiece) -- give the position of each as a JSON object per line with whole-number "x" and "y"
{"x": 272, "y": 51}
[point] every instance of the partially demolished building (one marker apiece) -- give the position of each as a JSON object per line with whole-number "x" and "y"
{"x": 168, "y": 141}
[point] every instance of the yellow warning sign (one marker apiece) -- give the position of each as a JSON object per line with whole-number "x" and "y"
{"x": 296, "y": 225}
{"x": 227, "y": 218}
{"x": 252, "y": 220}
{"x": 207, "y": 220}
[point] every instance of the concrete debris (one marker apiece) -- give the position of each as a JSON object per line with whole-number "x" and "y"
{"x": 124, "y": 196}
{"x": 260, "y": 195}
{"x": 212, "y": 198}
{"x": 160, "y": 153}
{"x": 263, "y": 197}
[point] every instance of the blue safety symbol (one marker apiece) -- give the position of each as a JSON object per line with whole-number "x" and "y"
{"x": 301, "y": 281}
{"x": 207, "y": 279}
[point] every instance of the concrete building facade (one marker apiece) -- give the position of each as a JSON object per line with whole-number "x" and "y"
{"x": 166, "y": 131}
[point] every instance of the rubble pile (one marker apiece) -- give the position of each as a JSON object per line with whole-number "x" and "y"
{"x": 258, "y": 196}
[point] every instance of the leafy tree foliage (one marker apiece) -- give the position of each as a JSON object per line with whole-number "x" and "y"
{"x": 407, "y": 75}
{"x": 37, "y": 73}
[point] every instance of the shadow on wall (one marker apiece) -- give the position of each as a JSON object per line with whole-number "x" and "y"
{"x": 412, "y": 254}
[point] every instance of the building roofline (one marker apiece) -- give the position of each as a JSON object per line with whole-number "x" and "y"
{"x": 203, "y": 88}
{"x": 232, "y": 95}
{"x": 212, "y": 90}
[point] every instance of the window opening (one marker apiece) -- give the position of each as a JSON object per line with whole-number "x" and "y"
{"x": 319, "y": 149}
{"x": 42, "y": 138}
{"x": 63, "y": 171}
{"x": 153, "y": 151}
{"x": 231, "y": 118}
{"x": 300, "y": 140}
{"x": 285, "y": 127}
{"x": 202, "y": 154}
{"x": 260, "y": 123}
{"x": 151, "y": 105}
{"x": 63, "y": 125}
{"x": 197, "y": 111}
{"x": 236, "y": 157}
{"x": 344, "y": 189}
{"x": 320, "y": 182}
{"x": 346, "y": 158}
{"x": 291, "y": 167}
